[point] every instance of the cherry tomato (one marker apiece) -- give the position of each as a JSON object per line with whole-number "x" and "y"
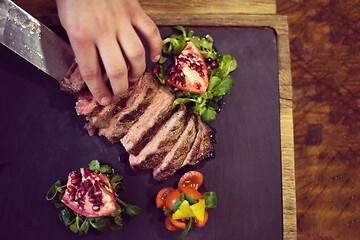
{"x": 171, "y": 198}
{"x": 192, "y": 192}
{"x": 179, "y": 223}
{"x": 169, "y": 225}
{"x": 200, "y": 224}
{"x": 192, "y": 179}
{"x": 162, "y": 194}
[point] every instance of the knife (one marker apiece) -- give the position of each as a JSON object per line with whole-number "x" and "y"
{"x": 33, "y": 41}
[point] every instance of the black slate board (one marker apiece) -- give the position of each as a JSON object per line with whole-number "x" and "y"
{"x": 42, "y": 140}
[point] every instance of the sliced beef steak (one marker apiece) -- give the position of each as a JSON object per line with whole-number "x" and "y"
{"x": 195, "y": 148}
{"x": 143, "y": 93}
{"x": 86, "y": 104}
{"x": 149, "y": 123}
{"x": 175, "y": 158}
{"x": 163, "y": 141}
{"x": 206, "y": 149}
{"x": 145, "y": 122}
{"x": 100, "y": 116}
{"x": 73, "y": 83}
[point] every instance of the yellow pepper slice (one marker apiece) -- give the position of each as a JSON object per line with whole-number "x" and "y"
{"x": 199, "y": 209}
{"x": 184, "y": 211}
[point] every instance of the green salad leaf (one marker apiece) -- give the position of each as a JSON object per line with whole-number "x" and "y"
{"x": 210, "y": 200}
{"x": 220, "y": 82}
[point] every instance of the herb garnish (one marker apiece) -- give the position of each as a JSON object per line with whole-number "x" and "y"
{"x": 220, "y": 82}
{"x": 81, "y": 224}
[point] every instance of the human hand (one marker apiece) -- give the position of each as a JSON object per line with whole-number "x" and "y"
{"x": 106, "y": 28}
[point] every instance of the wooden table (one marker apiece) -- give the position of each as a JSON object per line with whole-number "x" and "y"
{"x": 324, "y": 40}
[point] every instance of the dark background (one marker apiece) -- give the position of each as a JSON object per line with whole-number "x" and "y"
{"x": 43, "y": 140}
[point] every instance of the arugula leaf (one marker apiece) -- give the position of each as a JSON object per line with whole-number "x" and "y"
{"x": 101, "y": 223}
{"x": 65, "y": 215}
{"x": 208, "y": 115}
{"x": 94, "y": 165}
{"x": 177, "y": 205}
{"x": 223, "y": 88}
{"x": 131, "y": 210}
{"x": 118, "y": 221}
{"x": 166, "y": 212}
{"x": 105, "y": 169}
{"x": 84, "y": 228}
{"x": 115, "y": 227}
{"x": 227, "y": 64}
{"x": 74, "y": 228}
{"x": 190, "y": 199}
{"x": 213, "y": 82}
{"x": 117, "y": 212}
{"x": 55, "y": 188}
{"x": 210, "y": 200}
{"x": 182, "y": 100}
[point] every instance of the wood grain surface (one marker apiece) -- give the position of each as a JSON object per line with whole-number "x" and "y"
{"x": 325, "y": 47}
{"x": 46, "y": 12}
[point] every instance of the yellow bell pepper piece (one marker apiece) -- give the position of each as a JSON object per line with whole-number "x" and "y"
{"x": 184, "y": 211}
{"x": 199, "y": 209}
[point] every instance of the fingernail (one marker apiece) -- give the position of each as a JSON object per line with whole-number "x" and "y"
{"x": 157, "y": 58}
{"x": 105, "y": 101}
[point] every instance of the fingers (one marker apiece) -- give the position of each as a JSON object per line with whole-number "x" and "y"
{"x": 134, "y": 51}
{"x": 86, "y": 56}
{"x": 150, "y": 31}
{"x": 114, "y": 63}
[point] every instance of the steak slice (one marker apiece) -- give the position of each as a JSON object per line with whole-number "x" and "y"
{"x": 206, "y": 148}
{"x": 100, "y": 116}
{"x": 195, "y": 148}
{"x": 163, "y": 141}
{"x": 175, "y": 158}
{"x": 86, "y": 104}
{"x": 73, "y": 83}
{"x": 136, "y": 104}
{"x": 149, "y": 123}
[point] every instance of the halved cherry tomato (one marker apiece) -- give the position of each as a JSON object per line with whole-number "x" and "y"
{"x": 171, "y": 198}
{"x": 162, "y": 194}
{"x": 180, "y": 223}
{"x": 169, "y": 225}
{"x": 192, "y": 179}
{"x": 200, "y": 224}
{"x": 192, "y": 192}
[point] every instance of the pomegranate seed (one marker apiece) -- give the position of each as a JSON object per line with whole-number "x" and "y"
{"x": 197, "y": 85}
{"x": 214, "y": 64}
{"x": 81, "y": 202}
{"x": 96, "y": 207}
{"x": 98, "y": 193}
{"x": 156, "y": 69}
{"x": 71, "y": 190}
{"x": 87, "y": 184}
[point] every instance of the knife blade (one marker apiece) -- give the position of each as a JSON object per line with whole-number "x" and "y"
{"x": 32, "y": 40}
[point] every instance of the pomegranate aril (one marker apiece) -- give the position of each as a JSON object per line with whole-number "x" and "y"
{"x": 81, "y": 202}
{"x": 214, "y": 64}
{"x": 87, "y": 184}
{"x": 71, "y": 190}
{"x": 96, "y": 207}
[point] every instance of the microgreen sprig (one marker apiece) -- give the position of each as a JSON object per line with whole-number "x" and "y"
{"x": 81, "y": 224}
